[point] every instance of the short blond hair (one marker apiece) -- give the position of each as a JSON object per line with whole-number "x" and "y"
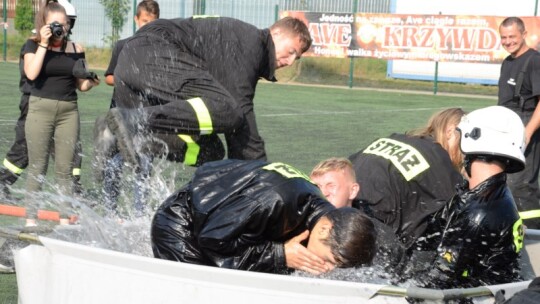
{"x": 334, "y": 164}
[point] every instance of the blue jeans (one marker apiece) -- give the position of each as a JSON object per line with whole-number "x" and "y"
{"x": 112, "y": 180}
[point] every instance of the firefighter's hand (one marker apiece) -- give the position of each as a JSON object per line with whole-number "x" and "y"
{"x": 299, "y": 257}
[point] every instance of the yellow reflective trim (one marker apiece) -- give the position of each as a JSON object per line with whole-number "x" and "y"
{"x": 286, "y": 170}
{"x": 529, "y": 214}
{"x": 448, "y": 257}
{"x": 465, "y": 273}
{"x": 76, "y": 171}
{"x": 518, "y": 233}
{"x": 192, "y": 150}
{"x": 203, "y": 115}
{"x": 11, "y": 167}
{"x": 205, "y": 16}
{"x": 405, "y": 158}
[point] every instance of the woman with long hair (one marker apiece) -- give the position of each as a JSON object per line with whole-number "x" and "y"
{"x": 55, "y": 69}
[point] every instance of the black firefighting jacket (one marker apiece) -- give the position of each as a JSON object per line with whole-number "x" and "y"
{"x": 237, "y": 55}
{"x": 237, "y": 214}
{"x": 478, "y": 235}
{"x": 403, "y": 181}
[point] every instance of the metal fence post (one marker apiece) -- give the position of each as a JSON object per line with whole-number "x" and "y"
{"x": 4, "y": 48}
{"x": 134, "y": 28}
{"x": 351, "y": 65}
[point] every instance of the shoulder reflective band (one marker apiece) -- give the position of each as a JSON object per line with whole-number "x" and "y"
{"x": 205, "y": 16}
{"x": 11, "y": 167}
{"x": 529, "y": 214}
{"x": 286, "y": 170}
{"x": 192, "y": 150}
{"x": 407, "y": 160}
{"x": 517, "y": 231}
{"x": 203, "y": 116}
{"x": 76, "y": 172}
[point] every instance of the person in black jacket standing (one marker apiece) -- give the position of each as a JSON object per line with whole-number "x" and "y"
{"x": 253, "y": 215}
{"x": 196, "y": 77}
{"x": 519, "y": 90}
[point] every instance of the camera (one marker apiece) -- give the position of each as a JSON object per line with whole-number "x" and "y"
{"x": 57, "y": 29}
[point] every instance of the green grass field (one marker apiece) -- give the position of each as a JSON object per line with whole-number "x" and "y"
{"x": 301, "y": 125}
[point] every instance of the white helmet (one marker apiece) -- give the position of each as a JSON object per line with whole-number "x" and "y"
{"x": 70, "y": 11}
{"x": 494, "y": 131}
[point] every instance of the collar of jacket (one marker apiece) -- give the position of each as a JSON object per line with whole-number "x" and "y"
{"x": 490, "y": 183}
{"x": 268, "y": 67}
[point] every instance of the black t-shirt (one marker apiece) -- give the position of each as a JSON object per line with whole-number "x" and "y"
{"x": 55, "y": 80}
{"x": 530, "y": 89}
{"x": 114, "y": 56}
{"x": 112, "y": 64}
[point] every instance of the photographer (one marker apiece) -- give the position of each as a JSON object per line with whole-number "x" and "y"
{"x": 16, "y": 159}
{"x": 55, "y": 69}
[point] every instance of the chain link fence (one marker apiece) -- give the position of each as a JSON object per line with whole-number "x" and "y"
{"x": 92, "y": 27}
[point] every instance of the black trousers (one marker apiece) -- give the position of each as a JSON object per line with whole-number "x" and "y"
{"x": 524, "y": 184}
{"x": 161, "y": 78}
{"x": 18, "y": 154}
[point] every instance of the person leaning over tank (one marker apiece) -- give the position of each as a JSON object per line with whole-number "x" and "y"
{"x": 336, "y": 178}
{"x": 405, "y": 178}
{"x": 478, "y": 234}
{"x": 199, "y": 80}
{"x": 256, "y": 216}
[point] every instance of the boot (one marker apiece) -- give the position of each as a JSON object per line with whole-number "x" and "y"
{"x": 104, "y": 147}
{"x": 121, "y": 123}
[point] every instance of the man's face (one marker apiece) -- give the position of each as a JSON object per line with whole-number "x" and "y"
{"x": 144, "y": 18}
{"x": 319, "y": 233}
{"x": 338, "y": 187}
{"x": 512, "y": 40}
{"x": 288, "y": 48}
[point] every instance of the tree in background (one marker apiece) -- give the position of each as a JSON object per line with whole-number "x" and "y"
{"x": 24, "y": 17}
{"x": 116, "y": 11}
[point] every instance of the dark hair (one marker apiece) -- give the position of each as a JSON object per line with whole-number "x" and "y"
{"x": 352, "y": 238}
{"x": 295, "y": 27}
{"x": 49, "y": 6}
{"x": 514, "y": 20}
{"x": 150, "y": 6}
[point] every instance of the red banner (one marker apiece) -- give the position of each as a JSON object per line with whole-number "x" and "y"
{"x": 452, "y": 38}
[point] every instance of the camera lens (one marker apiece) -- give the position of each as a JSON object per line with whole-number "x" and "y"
{"x": 56, "y": 29}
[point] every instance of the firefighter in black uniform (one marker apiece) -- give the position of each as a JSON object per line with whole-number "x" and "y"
{"x": 478, "y": 235}
{"x": 253, "y": 215}
{"x": 406, "y": 178}
{"x": 16, "y": 159}
{"x": 519, "y": 90}
{"x": 196, "y": 77}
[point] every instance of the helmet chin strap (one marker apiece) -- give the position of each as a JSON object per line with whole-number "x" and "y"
{"x": 467, "y": 162}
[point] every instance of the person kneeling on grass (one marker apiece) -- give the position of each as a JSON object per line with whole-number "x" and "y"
{"x": 255, "y": 215}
